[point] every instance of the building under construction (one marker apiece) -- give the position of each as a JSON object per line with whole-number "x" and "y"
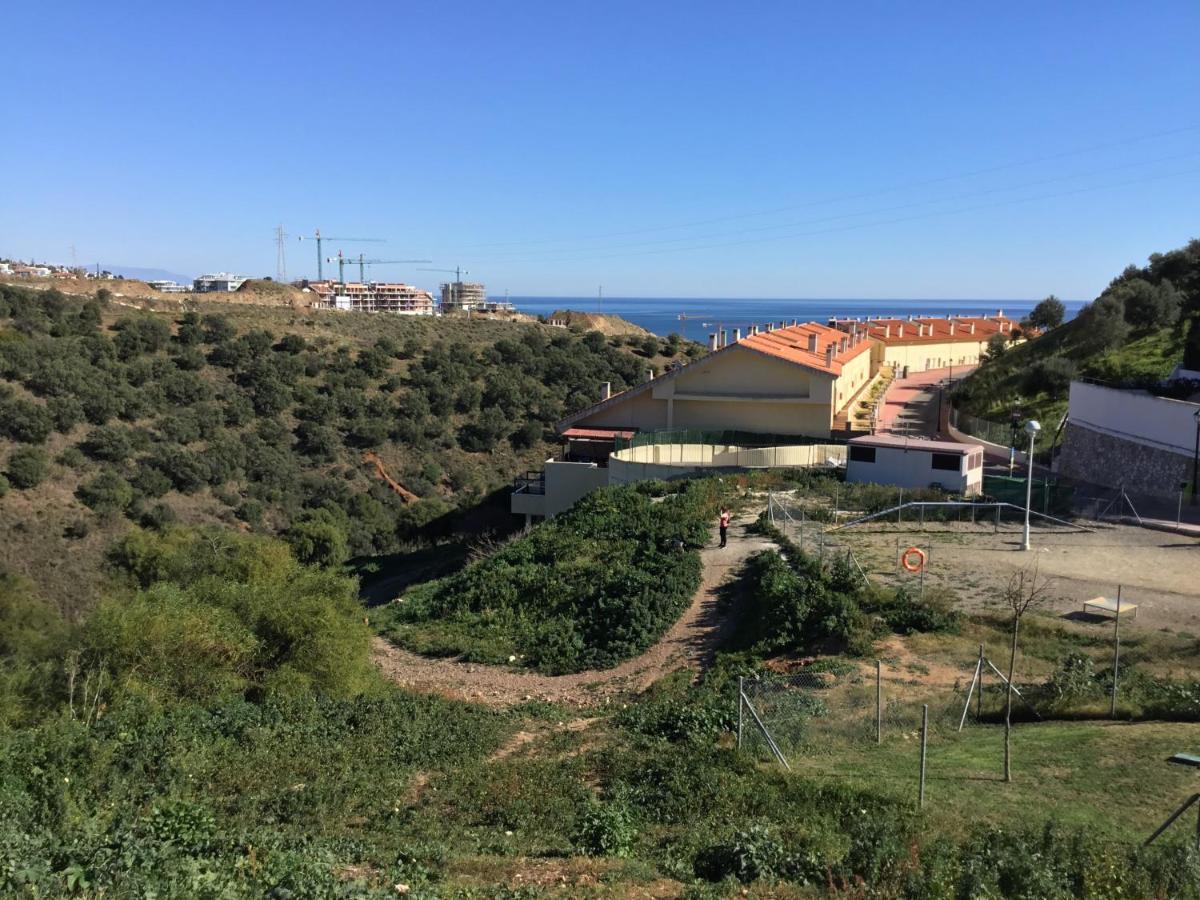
{"x": 374, "y": 296}
{"x": 467, "y": 296}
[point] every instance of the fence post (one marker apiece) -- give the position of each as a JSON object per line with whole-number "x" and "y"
{"x": 979, "y": 699}
{"x": 924, "y": 737}
{"x": 1112, "y": 712}
{"x": 922, "y": 508}
{"x": 900, "y": 506}
{"x": 741, "y": 680}
{"x": 996, "y": 530}
{"x": 878, "y": 701}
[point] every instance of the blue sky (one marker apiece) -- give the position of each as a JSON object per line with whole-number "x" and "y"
{"x": 759, "y": 149}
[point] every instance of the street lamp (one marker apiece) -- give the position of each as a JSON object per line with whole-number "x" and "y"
{"x": 1031, "y": 428}
{"x": 1196, "y": 460}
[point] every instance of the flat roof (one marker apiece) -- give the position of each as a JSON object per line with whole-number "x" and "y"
{"x": 910, "y": 443}
{"x": 599, "y": 433}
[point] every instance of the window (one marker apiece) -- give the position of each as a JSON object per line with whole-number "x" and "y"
{"x": 951, "y": 462}
{"x": 862, "y": 454}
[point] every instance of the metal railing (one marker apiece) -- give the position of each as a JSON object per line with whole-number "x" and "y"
{"x": 530, "y": 483}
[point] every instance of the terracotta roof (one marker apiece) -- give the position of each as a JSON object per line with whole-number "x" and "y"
{"x": 955, "y": 329}
{"x": 794, "y": 344}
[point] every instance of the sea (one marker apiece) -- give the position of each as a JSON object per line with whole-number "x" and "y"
{"x": 695, "y": 318}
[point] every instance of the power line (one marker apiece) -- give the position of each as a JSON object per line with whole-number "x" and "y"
{"x": 859, "y": 196}
{"x": 869, "y": 212}
{"x": 884, "y": 222}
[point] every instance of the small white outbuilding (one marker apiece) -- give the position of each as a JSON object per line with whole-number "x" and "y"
{"x": 916, "y": 463}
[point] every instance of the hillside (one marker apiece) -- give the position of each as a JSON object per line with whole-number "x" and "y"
{"x": 262, "y": 419}
{"x": 602, "y": 322}
{"x": 1144, "y": 324}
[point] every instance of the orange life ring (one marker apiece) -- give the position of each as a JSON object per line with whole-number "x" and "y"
{"x": 906, "y": 559}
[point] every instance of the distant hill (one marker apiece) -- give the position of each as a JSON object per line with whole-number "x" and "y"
{"x": 142, "y": 274}
{"x": 1143, "y": 325}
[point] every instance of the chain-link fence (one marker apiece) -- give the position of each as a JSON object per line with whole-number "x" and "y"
{"x": 1002, "y": 433}
{"x": 853, "y": 714}
{"x": 788, "y": 714}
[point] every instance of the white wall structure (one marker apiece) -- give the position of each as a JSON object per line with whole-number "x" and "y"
{"x": 1134, "y": 416}
{"x": 909, "y": 463}
{"x": 565, "y": 482}
{"x": 1128, "y": 439}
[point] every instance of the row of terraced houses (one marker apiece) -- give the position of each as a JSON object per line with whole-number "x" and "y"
{"x": 776, "y": 382}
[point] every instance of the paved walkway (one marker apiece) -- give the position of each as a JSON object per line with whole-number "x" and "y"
{"x": 910, "y": 405}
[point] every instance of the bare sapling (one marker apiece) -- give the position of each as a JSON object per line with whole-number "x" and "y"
{"x": 1025, "y": 591}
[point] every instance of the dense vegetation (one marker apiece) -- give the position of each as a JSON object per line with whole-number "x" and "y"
{"x": 796, "y": 604}
{"x": 1141, "y": 326}
{"x": 289, "y": 770}
{"x": 187, "y": 737}
{"x": 586, "y": 589}
{"x": 260, "y": 418}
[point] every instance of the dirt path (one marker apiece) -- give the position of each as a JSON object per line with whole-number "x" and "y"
{"x": 690, "y": 642}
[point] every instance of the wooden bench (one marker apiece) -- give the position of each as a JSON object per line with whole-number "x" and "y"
{"x": 1106, "y": 605}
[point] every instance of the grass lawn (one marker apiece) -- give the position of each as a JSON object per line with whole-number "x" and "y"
{"x": 1111, "y": 778}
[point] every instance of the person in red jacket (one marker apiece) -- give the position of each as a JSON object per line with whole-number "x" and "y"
{"x": 724, "y": 522}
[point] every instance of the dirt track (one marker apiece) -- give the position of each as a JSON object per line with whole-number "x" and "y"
{"x": 690, "y": 643}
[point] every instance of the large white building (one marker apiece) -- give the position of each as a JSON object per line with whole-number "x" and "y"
{"x": 220, "y": 282}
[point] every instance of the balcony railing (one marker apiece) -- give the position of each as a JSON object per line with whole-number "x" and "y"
{"x": 530, "y": 483}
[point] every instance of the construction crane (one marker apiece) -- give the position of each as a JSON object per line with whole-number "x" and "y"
{"x": 458, "y": 271}
{"x": 318, "y": 237}
{"x": 363, "y": 263}
{"x": 341, "y": 261}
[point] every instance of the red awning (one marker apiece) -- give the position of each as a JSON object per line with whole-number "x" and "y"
{"x": 601, "y": 434}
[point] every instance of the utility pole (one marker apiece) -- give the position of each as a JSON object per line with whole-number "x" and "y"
{"x": 280, "y": 255}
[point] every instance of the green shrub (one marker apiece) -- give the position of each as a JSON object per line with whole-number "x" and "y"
{"x": 220, "y": 614}
{"x": 25, "y": 421}
{"x": 27, "y": 467}
{"x": 318, "y": 538}
{"x": 107, "y": 493}
{"x": 72, "y": 458}
{"x": 606, "y": 829}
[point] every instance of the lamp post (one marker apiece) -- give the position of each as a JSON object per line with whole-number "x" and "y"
{"x": 1031, "y": 428}
{"x": 1196, "y": 460}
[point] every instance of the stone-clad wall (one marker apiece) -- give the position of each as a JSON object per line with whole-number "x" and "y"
{"x": 1105, "y": 459}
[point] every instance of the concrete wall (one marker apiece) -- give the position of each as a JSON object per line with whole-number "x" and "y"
{"x": 642, "y": 412}
{"x": 567, "y": 482}
{"x": 1128, "y": 439}
{"x": 668, "y": 461}
{"x": 741, "y": 372}
{"x": 1135, "y": 416}
{"x": 811, "y": 419}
